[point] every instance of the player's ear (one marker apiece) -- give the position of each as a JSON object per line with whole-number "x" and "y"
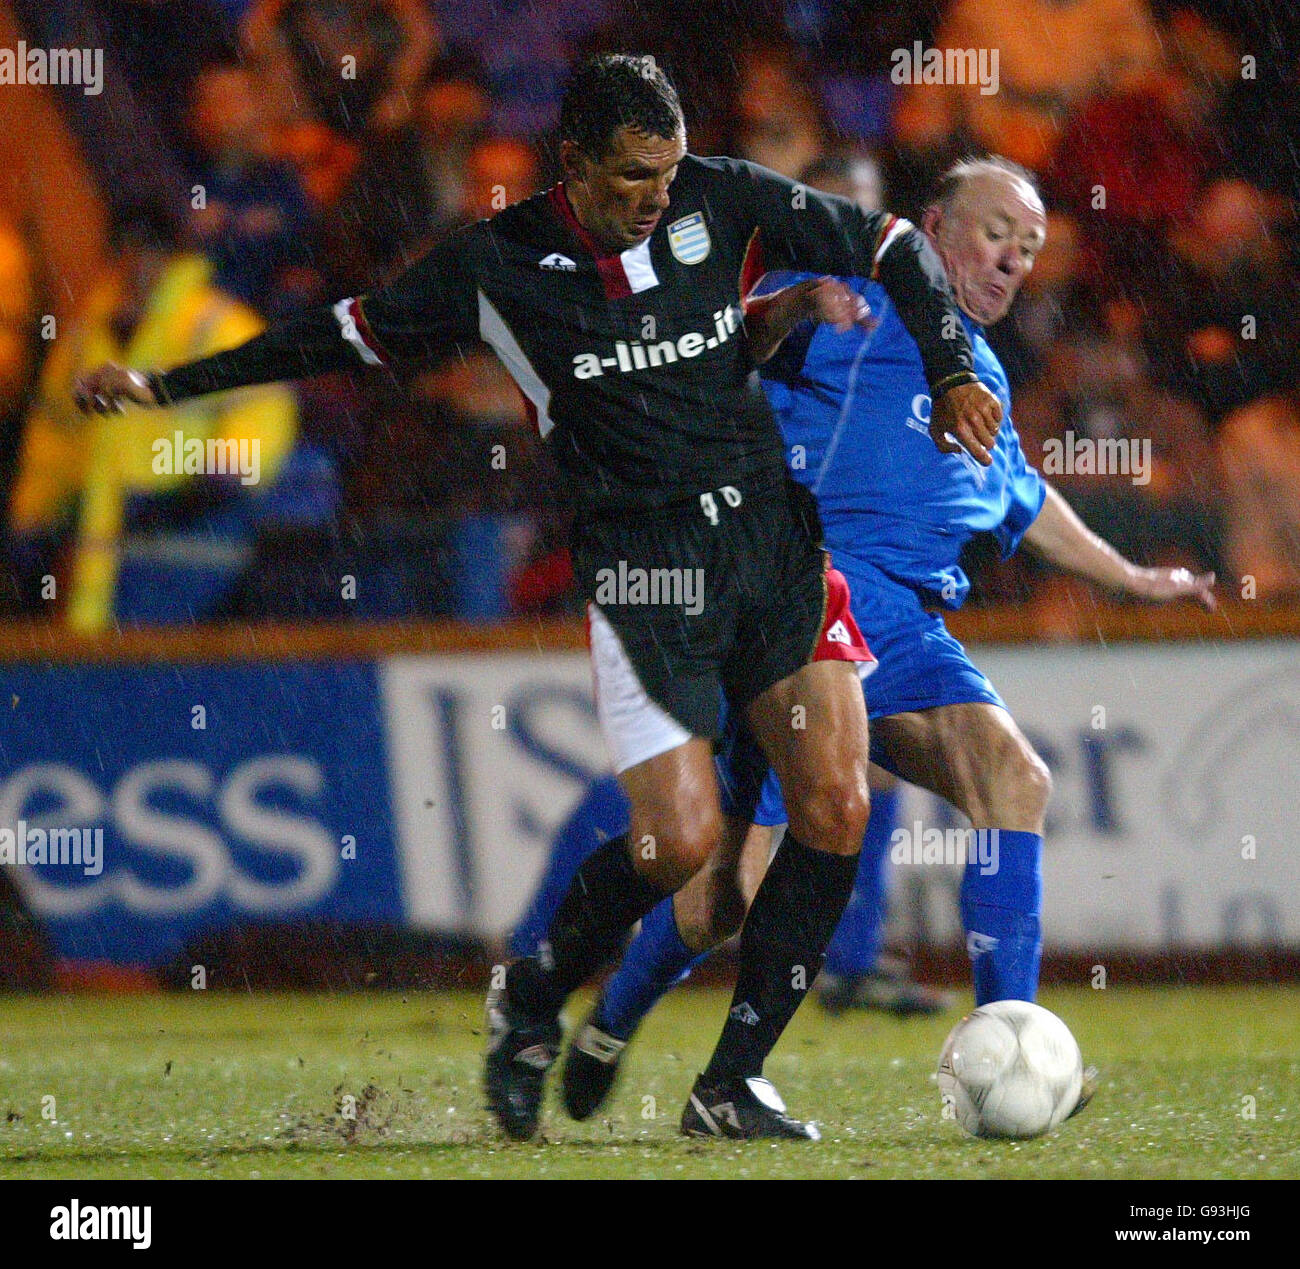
{"x": 573, "y": 162}
{"x": 930, "y": 221}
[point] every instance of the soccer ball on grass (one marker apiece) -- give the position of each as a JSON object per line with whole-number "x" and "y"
{"x": 1010, "y": 1069}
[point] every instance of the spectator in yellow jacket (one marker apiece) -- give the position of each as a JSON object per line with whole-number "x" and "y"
{"x": 194, "y": 473}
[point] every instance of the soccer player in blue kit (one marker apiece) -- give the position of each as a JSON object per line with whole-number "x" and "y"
{"x": 899, "y": 500}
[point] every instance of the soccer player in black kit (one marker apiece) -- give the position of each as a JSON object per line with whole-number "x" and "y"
{"x": 615, "y": 302}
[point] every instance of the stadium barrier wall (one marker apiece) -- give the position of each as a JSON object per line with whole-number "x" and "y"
{"x": 414, "y": 776}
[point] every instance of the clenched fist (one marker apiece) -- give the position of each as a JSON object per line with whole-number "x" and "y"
{"x": 834, "y": 302}
{"x": 966, "y": 417}
{"x": 107, "y": 388}
{"x": 770, "y": 318}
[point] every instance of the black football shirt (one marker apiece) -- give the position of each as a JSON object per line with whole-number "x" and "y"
{"x": 634, "y": 366}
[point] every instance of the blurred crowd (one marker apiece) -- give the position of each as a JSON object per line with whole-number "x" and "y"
{"x": 261, "y": 155}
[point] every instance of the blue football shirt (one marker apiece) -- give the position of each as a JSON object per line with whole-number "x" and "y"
{"x": 854, "y": 409}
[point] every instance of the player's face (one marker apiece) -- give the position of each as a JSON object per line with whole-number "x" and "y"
{"x": 620, "y": 198}
{"x": 988, "y": 242}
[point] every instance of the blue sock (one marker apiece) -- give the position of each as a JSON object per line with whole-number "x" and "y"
{"x": 855, "y": 944}
{"x": 602, "y": 814}
{"x": 1000, "y": 904}
{"x": 655, "y": 961}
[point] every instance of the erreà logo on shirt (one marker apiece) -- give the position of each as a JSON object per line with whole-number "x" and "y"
{"x": 556, "y": 261}
{"x": 634, "y": 354}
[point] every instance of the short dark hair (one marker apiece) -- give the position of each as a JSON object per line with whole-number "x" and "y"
{"x": 616, "y": 90}
{"x": 955, "y": 179}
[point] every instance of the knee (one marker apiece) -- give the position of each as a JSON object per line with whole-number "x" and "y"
{"x": 1023, "y": 770}
{"x": 831, "y": 813}
{"x": 1038, "y": 778}
{"x": 672, "y": 851}
{"x": 698, "y": 837}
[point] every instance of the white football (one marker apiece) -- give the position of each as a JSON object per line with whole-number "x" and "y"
{"x": 1010, "y": 1069}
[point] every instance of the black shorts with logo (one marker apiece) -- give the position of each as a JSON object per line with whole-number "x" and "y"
{"x": 725, "y": 593}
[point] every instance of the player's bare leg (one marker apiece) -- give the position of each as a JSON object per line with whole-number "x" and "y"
{"x": 813, "y": 728}
{"x": 974, "y": 756}
{"x": 676, "y": 818}
{"x": 676, "y": 822}
{"x": 1004, "y": 785}
{"x": 716, "y": 898}
{"x": 711, "y": 907}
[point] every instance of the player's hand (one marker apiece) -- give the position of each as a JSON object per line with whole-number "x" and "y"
{"x": 966, "y": 417}
{"x": 770, "y": 318}
{"x": 1166, "y": 584}
{"x": 836, "y": 303}
{"x": 107, "y": 389}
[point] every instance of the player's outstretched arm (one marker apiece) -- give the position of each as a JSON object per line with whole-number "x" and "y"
{"x": 309, "y": 344}
{"x": 420, "y": 315}
{"x": 1061, "y": 538}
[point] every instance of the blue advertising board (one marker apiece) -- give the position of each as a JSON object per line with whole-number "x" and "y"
{"x": 145, "y": 805}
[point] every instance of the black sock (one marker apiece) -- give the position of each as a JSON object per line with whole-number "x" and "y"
{"x": 782, "y": 946}
{"x": 606, "y": 897}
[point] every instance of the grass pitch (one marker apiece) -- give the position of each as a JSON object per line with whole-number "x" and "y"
{"x": 1196, "y": 1083}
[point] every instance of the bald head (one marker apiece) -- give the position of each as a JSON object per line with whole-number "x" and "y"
{"x": 987, "y": 223}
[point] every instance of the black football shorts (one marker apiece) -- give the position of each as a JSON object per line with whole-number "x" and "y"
{"x": 723, "y": 594}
